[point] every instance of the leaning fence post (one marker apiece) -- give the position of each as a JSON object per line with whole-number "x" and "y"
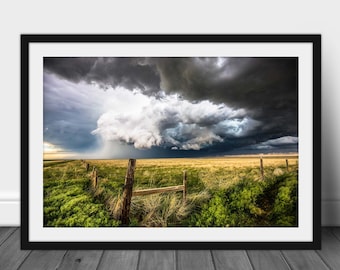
{"x": 287, "y": 165}
{"x": 184, "y": 186}
{"x": 261, "y": 168}
{"x": 127, "y": 192}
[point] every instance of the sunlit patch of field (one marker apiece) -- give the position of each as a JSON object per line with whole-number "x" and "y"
{"x": 227, "y": 161}
{"x": 219, "y": 172}
{"x": 53, "y": 162}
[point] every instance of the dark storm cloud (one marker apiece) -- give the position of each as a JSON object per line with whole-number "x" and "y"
{"x": 68, "y": 118}
{"x": 73, "y": 69}
{"x": 131, "y": 73}
{"x": 72, "y": 135}
{"x": 264, "y": 88}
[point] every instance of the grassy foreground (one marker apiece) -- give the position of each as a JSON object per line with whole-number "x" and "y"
{"x": 226, "y": 191}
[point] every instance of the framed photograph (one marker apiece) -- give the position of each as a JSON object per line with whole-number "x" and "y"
{"x": 170, "y": 141}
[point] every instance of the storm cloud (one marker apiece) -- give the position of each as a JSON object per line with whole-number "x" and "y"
{"x": 177, "y": 103}
{"x": 266, "y": 87}
{"x": 286, "y": 142}
{"x": 174, "y": 123}
{"x": 131, "y": 73}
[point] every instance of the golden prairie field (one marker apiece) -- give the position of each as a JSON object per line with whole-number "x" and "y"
{"x": 220, "y": 172}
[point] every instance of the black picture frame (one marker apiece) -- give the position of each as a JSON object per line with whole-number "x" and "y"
{"x": 27, "y": 147}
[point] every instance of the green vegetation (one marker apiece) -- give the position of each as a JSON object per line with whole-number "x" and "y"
{"x": 221, "y": 192}
{"x": 67, "y": 200}
{"x": 250, "y": 203}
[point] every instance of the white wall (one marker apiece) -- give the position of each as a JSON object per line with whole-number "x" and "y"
{"x": 176, "y": 16}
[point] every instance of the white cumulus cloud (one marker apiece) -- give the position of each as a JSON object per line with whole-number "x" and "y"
{"x": 171, "y": 122}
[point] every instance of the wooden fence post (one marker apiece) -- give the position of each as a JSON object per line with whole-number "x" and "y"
{"x": 94, "y": 177}
{"x": 261, "y": 168}
{"x": 127, "y": 192}
{"x": 287, "y": 165}
{"x": 87, "y": 167}
{"x": 184, "y": 186}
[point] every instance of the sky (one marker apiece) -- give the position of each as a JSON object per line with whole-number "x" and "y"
{"x": 169, "y": 107}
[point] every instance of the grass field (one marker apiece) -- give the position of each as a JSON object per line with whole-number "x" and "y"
{"x": 224, "y": 191}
